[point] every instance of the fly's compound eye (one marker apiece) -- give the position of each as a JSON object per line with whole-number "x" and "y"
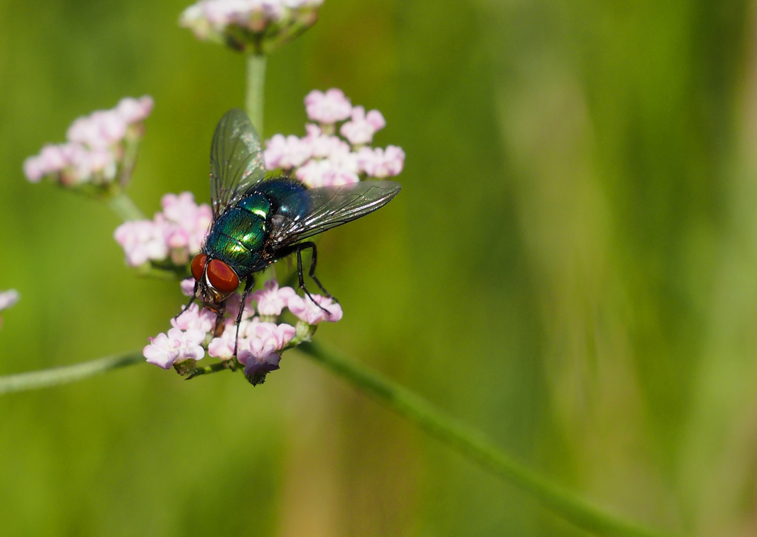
{"x": 222, "y": 277}
{"x": 198, "y": 266}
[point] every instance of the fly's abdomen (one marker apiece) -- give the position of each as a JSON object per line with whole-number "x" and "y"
{"x": 238, "y": 236}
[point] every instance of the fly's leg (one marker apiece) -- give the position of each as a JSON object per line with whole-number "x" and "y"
{"x": 313, "y": 261}
{"x": 247, "y": 286}
{"x": 191, "y": 300}
{"x": 300, "y": 248}
{"x": 218, "y": 328}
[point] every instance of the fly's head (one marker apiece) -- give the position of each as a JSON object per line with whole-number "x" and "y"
{"x": 215, "y": 281}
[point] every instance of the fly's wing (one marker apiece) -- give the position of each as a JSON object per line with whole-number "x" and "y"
{"x": 236, "y": 160}
{"x": 329, "y": 207}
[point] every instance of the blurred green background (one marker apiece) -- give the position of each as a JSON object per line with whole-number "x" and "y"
{"x": 570, "y": 267}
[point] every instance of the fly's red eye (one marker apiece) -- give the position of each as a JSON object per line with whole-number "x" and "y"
{"x": 198, "y": 266}
{"x": 222, "y": 277}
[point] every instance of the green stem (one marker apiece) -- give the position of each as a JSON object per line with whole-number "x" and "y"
{"x": 255, "y": 90}
{"x": 466, "y": 440}
{"x": 122, "y": 205}
{"x": 34, "y": 380}
{"x": 477, "y": 447}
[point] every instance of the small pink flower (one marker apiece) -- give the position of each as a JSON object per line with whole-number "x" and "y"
{"x": 135, "y": 110}
{"x": 141, "y": 240}
{"x": 165, "y": 350}
{"x": 328, "y": 107}
{"x": 195, "y": 318}
{"x": 111, "y": 127}
{"x": 381, "y": 163}
{"x": 78, "y": 166}
{"x": 185, "y": 215}
{"x": 102, "y": 128}
{"x": 179, "y": 208}
{"x": 326, "y": 172}
{"x": 310, "y": 312}
{"x": 323, "y": 145}
{"x": 312, "y": 173}
{"x": 223, "y": 347}
{"x": 362, "y": 127}
{"x": 339, "y": 177}
{"x": 265, "y": 340}
{"x": 232, "y": 306}
{"x": 188, "y": 287}
{"x": 286, "y": 152}
{"x": 200, "y": 227}
{"x": 54, "y": 157}
{"x": 101, "y": 161}
{"x": 278, "y": 334}
{"x": 34, "y": 169}
{"x": 176, "y": 237}
{"x": 272, "y": 299}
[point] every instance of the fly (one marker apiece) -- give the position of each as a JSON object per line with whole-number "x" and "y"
{"x": 258, "y": 220}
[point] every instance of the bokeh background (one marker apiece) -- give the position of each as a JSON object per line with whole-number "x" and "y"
{"x": 571, "y": 267}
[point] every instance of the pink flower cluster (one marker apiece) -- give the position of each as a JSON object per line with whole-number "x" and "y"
{"x": 8, "y": 299}
{"x": 96, "y": 146}
{"x": 322, "y": 158}
{"x": 262, "y": 338}
{"x": 175, "y": 234}
{"x": 260, "y": 25}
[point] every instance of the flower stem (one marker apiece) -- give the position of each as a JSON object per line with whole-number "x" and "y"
{"x": 34, "y": 380}
{"x": 477, "y": 447}
{"x": 122, "y": 205}
{"x": 466, "y": 440}
{"x": 255, "y": 90}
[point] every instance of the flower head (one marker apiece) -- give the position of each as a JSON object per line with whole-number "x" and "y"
{"x": 257, "y": 26}
{"x": 321, "y": 158}
{"x": 259, "y": 341}
{"x": 174, "y": 234}
{"x": 99, "y": 150}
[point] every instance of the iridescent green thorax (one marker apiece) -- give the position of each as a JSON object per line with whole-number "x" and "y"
{"x": 239, "y": 234}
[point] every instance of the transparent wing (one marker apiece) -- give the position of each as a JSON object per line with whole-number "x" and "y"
{"x": 236, "y": 160}
{"x": 329, "y": 207}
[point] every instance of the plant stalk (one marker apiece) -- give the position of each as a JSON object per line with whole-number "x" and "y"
{"x": 124, "y": 207}
{"x": 255, "y": 97}
{"x": 477, "y": 447}
{"x": 34, "y": 380}
{"x": 468, "y": 441}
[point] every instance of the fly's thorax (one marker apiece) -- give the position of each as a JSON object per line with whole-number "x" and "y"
{"x": 288, "y": 197}
{"x": 239, "y": 234}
